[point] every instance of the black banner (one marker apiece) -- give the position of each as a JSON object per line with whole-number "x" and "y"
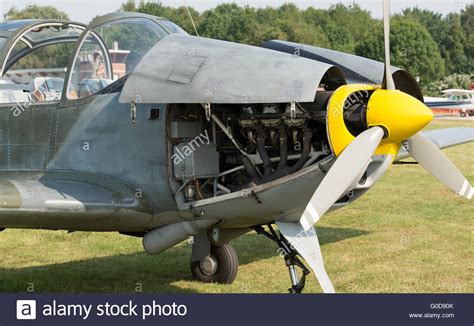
{"x": 153, "y": 309}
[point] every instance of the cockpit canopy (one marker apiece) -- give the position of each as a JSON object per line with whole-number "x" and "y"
{"x": 83, "y": 59}
{"x": 20, "y": 38}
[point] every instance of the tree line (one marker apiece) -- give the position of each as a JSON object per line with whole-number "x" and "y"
{"x": 427, "y": 44}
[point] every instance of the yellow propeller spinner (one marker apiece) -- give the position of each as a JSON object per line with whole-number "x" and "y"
{"x": 399, "y": 114}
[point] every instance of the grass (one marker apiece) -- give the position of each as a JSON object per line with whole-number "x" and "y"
{"x": 407, "y": 234}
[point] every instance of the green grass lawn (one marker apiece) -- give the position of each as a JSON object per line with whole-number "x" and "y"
{"x": 407, "y": 234}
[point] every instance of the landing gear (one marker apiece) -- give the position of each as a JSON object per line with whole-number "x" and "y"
{"x": 291, "y": 258}
{"x": 463, "y": 114}
{"x": 219, "y": 267}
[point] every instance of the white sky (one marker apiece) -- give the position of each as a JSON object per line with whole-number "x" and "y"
{"x": 85, "y": 10}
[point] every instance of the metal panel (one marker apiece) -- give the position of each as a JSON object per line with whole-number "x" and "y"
{"x": 185, "y": 129}
{"x": 356, "y": 69}
{"x": 96, "y": 135}
{"x": 202, "y": 162}
{"x": 231, "y": 73}
{"x": 185, "y": 72}
{"x": 25, "y": 150}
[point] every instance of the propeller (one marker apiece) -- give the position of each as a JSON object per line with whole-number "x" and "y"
{"x": 353, "y": 161}
{"x": 355, "y": 158}
{"x": 391, "y": 117}
{"x": 388, "y": 83}
{"x": 432, "y": 159}
{"x": 420, "y": 147}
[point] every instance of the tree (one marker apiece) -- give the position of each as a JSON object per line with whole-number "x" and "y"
{"x": 451, "y": 35}
{"x": 300, "y": 33}
{"x": 455, "y": 81}
{"x": 128, "y": 6}
{"x": 178, "y": 16}
{"x": 412, "y": 47}
{"x": 456, "y": 60}
{"x": 229, "y": 22}
{"x": 432, "y": 21}
{"x": 35, "y": 12}
{"x": 467, "y": 19}
{"x": 344, "y": 26}
{"x": 467, "y": 24}
{"x": 335, "y": 35}
{"x": 286, "y": 23}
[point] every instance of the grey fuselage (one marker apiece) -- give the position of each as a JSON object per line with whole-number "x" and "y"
{"x": 91, "y": 140}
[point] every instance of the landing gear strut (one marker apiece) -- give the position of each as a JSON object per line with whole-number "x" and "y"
{"x": 291, "y": 258}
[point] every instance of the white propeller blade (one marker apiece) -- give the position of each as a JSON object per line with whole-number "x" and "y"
{"x": 307, "y": 244}
{"x": 389, "y": 83}
{"x": 353, "y": 160}
{"x": 430, "y": 157}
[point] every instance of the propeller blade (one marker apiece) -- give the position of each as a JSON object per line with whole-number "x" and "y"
{"x": 388, "y": 79}
{"x": 307, "y": 244}
{"x": 350, "y": 164}
{"x": 430, "y": 157}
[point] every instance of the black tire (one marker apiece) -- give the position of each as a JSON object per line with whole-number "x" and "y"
{"x": 471, "y": 113}
{"x": 227, "y": 266}
{"x": 463, "y": 114}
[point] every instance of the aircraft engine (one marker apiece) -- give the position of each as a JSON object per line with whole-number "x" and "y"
{"x": 238, "y": 146}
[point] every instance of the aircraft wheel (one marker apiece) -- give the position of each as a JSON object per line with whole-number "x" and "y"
{"x": 220, "y": 267}
{"x": 471, "y": 113}
{"x": 463, "y": 114}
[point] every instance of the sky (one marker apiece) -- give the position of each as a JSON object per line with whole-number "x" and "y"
{"x": 85, "y": 10}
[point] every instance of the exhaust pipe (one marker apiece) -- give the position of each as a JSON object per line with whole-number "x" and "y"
{"x": 160, "y": 239}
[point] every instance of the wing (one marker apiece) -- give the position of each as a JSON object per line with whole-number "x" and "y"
{"x": 444, "y": 138}
{"x": 68, "y": 201}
